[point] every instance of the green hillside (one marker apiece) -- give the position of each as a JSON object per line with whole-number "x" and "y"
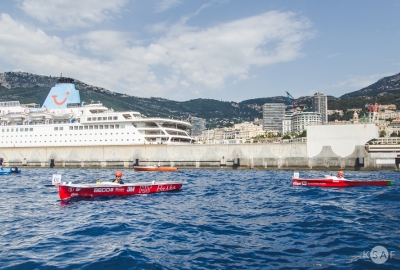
{"x": 31, "y": 88}
{"x": 384, "y": 91}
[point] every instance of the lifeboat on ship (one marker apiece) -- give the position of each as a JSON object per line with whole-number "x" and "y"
{"x": 68, "y": 191}
{"x": 154, "y": 169}
{"x": 16, "y": 117}
{"x": 36, "y": 116}
{"x": 62, "y": 115}
{"x": 336, "y": 181}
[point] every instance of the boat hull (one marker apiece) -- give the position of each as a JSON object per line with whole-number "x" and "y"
{"x": 68, "y": 191}
{"x": 324, "y": 182}
{"x": 155, "y": 169}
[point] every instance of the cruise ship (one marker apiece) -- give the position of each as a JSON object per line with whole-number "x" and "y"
{"x": 64, "y": 120}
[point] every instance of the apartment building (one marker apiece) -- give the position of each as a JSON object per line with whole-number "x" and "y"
{"x": 273, "y": 115}
{"x": 320, "y": 105}
{"x": 300, "y": 121}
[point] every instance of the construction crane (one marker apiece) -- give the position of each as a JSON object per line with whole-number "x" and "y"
{"x": 289, "y": 101}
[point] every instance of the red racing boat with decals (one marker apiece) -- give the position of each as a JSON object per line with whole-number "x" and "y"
{"x": 68, "y": 191}
{"x": 155, "y": 169}
{"x": 336, "y": 181}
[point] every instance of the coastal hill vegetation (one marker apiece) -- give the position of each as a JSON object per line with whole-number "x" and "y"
{"x": 32, "y": 88}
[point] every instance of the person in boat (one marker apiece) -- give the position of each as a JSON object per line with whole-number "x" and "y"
{"x": 118, "y": 178}
{"x": 1, "y": 163}
{"x": 340, "y": 174}
{"x": 159, "y": 164}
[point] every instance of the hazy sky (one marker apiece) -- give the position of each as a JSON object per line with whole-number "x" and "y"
{"x": 230, "y": 50}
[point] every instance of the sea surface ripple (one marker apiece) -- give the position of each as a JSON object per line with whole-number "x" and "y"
{"x": 221, "y": 219}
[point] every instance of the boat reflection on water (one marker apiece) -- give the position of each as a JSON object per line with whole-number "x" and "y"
{"x": 72, "y": 201}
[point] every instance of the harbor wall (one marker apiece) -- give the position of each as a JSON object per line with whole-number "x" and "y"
{"x": 239, "y": 156}
{"x": 328, "y": 147}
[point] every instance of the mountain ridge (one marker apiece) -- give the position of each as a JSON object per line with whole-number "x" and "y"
{"x": 31, "y": 88}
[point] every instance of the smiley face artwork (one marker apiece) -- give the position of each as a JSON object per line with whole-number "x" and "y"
{"x": 59, "y": 102}
{"x": 62, "y": 94}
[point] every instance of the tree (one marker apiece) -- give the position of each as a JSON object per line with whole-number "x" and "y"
{"x": 286, "y": 137}
{"x": 382, "y": 133}
{"x": 335, "y": 116}
{"x": 303, "y": 134}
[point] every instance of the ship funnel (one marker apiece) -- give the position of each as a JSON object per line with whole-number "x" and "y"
{"x": 62, "y": 94}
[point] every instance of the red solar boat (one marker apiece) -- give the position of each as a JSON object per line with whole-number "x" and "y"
{"x": 336, "y": 181}
{"x": 67, "y": 191}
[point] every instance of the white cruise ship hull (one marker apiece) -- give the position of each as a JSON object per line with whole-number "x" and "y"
{"x": 58, "y": 124}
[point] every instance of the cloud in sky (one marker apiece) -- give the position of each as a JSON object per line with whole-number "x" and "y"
{"x": 69, "y": 14}
{"x": 167, "y": 4}
{"x": 333, "y": 55}
{"x": 181, "y": 59}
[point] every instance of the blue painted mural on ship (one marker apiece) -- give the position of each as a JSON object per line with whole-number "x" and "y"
{"x": 221, "y": 219}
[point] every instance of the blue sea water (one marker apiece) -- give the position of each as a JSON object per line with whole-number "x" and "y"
{"x": 221, "y": 219}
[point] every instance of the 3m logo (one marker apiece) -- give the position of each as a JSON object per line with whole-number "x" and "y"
{"x": 144, "y": 189}
{"x": 103, "y": 190}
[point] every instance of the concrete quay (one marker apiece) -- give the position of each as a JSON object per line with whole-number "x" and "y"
{"x": 328, "y": 147}
{"x": 268, "y": 156}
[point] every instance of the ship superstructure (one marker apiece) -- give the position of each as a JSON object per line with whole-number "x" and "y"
{"x": 64, "y": 121}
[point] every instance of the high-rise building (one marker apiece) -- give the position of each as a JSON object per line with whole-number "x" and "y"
{"x": 320, "y": 105}
{"x": 273, "y": 116}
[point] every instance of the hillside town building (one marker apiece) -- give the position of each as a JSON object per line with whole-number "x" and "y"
{"x": 239, "y": 133}
{"x": 300, "y": 121}
{"x": 287, "y": 124}
{"x": 339, "y": 112}
{"x": 276, "y": 123}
